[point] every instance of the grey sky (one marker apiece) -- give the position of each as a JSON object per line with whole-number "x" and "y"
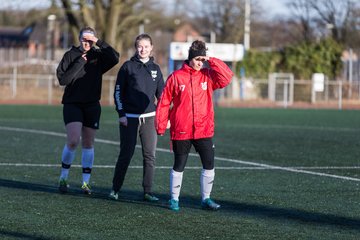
{"x": 273, "y": 7}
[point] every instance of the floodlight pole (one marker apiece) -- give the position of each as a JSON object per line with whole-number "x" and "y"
{"x": 142, "y": 25}
{"x": 247, "y": 25}
{"x": 50, "y": 36}
{"x": 350, "y": 71}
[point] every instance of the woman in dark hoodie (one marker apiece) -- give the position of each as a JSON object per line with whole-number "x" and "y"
{"x": 138, "y": 86}
{"x": 80, "y": 71}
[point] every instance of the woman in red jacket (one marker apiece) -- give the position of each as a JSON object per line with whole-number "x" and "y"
{"x": 187, "y": 102}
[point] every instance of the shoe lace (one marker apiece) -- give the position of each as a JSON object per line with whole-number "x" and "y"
{"x": 86, "y": 186}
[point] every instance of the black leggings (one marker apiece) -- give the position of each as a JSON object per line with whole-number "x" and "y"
{"x": 203, "y": 146}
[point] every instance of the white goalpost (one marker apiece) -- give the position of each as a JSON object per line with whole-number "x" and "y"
{"x": 281, "y": 88}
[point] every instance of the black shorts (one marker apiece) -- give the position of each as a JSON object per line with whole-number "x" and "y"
{"x": 203, "y": 146}
{"x": 88, "y": 114}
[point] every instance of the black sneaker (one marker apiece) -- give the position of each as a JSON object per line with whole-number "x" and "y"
{"x": 149, "y": 197}
{"x": 63, "y": 186}
{"x": 113, "y": 195}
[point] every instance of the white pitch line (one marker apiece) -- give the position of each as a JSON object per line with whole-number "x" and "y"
{"x": 112, "y": 166}
{"x": 243, "y": 125}
{"x": 33, "y": 131}
{"x": 288, "y": 169}
{"x": 311, "y": 128}
{"x": 169, "y": 167}
{"x": 268, "y": 166}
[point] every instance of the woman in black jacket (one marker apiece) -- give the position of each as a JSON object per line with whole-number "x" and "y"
{"x": 138, "y": 86}
{"x": 81, "y": 70}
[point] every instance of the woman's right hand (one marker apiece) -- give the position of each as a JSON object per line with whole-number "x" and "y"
{"x": 123, "y": 121}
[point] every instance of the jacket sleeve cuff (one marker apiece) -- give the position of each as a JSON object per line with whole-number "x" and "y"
{"x": 99, "y": 42}
{"x": 160, "y": 133}
{"x": 121, "y": 114}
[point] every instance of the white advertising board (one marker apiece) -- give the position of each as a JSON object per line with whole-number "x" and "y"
{"x": 318, "y": 80}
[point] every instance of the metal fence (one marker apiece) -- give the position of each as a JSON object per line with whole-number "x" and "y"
{"x": 287, "y": 92}
{"x": 283, "y": 92}
{"x": 42, "y": 89}
{"x": 28, "y": 78}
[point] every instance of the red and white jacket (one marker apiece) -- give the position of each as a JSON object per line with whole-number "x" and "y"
{"x": 187, "y": 100}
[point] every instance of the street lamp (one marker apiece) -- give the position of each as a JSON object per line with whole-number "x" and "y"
{"x": 247, "y": 25}
{"x": 142, "y": 25}
{"x": 329, "y": 27}
{"x": 50, "y": 36}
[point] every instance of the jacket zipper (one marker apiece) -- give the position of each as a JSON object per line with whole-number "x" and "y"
{"x": 192, "y": 105}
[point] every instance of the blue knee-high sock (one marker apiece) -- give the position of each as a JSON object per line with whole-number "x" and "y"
{"x": 67, "y": 159}
{"x": 87, "y": 161}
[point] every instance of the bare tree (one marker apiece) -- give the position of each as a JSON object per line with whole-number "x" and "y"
{"x": 269, "y": 35}
{"x": 74, "y": 26}
{"x": 226, "y": 19}
{"x": 112, "y": 19}
{"x": 353, "y": 35}
{"x": 337, "y": 19}
{"x": 223, "y": 17}
{"x": 303, "y": 12}
{"x": 333, "y": 17}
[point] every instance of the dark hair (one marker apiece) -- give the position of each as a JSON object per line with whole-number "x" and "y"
{"x": 87, "y": 29}
{"x": 197, "y": 48}
{"x": 141, "y": 37}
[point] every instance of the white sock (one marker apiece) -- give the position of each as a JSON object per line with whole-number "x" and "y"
{"x": 67, "y": 159}
{"x": 87, "y": 161}
{"x": 175, "y": 184}
{"x": 206, "y": 182}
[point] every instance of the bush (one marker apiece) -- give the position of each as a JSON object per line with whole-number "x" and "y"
{"x": 302, "y": 60}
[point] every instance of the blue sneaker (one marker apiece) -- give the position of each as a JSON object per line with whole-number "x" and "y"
{"x": 174, "y": 205}
{"x": 209, "y": 204}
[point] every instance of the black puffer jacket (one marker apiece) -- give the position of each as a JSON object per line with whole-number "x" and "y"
{"x": 83, "y": 79}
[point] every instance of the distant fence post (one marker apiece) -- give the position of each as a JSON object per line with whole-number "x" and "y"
{"x": 50, "y": 90}
{"x": 340, "y": 95}
{"x": 286, "y": 92}
{"x": 14, "y": 82}
{"x": 327, "y": 89}
{"x": 271, "y": 87}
